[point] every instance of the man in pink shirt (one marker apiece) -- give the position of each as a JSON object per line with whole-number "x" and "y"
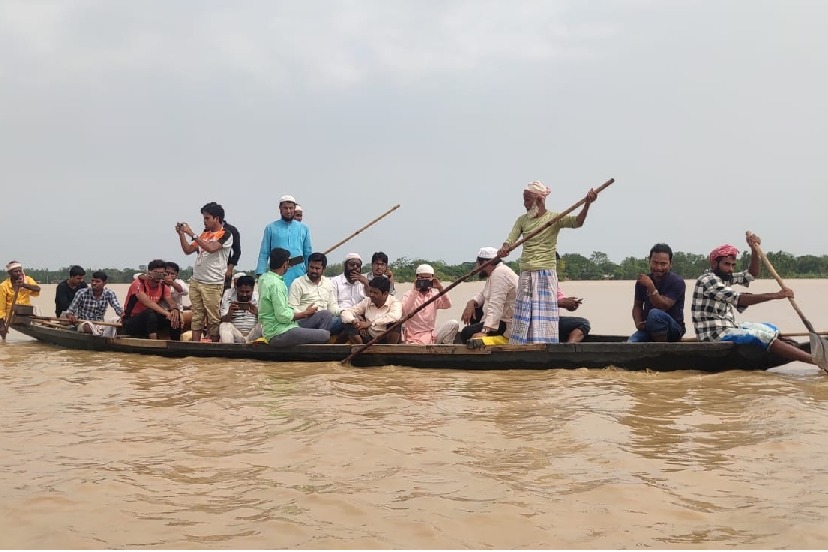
{"x": 419, "y": 329}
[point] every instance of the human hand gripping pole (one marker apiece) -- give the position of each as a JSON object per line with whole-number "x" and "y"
{"x": 819, "y": 346}
{"x": 10, "y": 315}
{"x": 448, "y": 288}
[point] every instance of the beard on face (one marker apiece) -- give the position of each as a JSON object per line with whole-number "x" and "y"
{"x": 727, "y": 278}
{"x": 533, "y": 211}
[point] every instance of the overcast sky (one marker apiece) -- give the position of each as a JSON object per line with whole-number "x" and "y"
{"x": 118, "y": 119}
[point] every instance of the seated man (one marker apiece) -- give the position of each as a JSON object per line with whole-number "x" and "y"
{"x": 658, "y": 308}
{"x": 277, "y": 317}
{"x": 66, "y": 290}
{"x": 348, "y": 290}
{"x": 497, "y": 299}
{"x": 314, "y": 289}
{"x": 379, "y": 268}
{"x": 89, "y": 306}
{"x": 144, "y": 314}
{"x": 419, "y": 329}
{"x": 571, "y": 329}
{"x": 17, "y": 289}
{"x": 240, "y": 313}
{"x": 715, "y": 303}
{"x": 373, "y": 315}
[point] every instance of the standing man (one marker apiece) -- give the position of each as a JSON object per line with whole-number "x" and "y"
{"x": 420, "y": 328}
{"x": 25, "y": 286}
{"x": 207, "y": 284}
{"x": 496, "y": 299}
{"x": 89, "y": 306}
{"x": 658, "y": 307}
{"x": 715, "y": 303}
{"x": 66, "y": 290}
{"x": 289, "y": 234}
{"x": 277, "y": 317}
{"x": 235, "y": 253}
{"x": 298, "y": 214}
{"x": 536, "y": 307}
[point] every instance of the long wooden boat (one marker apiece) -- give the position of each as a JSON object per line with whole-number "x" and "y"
{"x": 594, "y": 352}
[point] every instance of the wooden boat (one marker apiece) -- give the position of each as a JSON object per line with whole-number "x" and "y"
{"x": 594, "y": 352}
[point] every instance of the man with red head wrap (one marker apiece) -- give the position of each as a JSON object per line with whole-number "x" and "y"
{"x": 715, "y": 303}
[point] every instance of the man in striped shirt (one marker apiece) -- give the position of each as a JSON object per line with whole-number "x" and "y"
{"x": 89, "y": 305}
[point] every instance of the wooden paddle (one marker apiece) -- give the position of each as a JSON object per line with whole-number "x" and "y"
{"x": 819, "y": 346}
{"x": 66, "y": 321}
{"x": 10, "y": 314}
{"x": 382, "y": 216}
{"x": 529, "y": 236}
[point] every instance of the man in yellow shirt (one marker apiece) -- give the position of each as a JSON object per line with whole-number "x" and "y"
{"x": 535, "y": 318}
{"x": 25, "y": 286}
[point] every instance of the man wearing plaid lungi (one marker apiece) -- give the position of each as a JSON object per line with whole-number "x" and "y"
{"x": 535, "y": 318}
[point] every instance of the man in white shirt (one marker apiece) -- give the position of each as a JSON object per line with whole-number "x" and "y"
{"x": 239, "y": 313}
{"x": 315, "y": 289}
{"x": 374, "y": 315}
{"x": 497, "y": 299}
{"x": 348, "y": 289}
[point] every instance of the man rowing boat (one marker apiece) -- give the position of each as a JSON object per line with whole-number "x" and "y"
{"x": 17, "y": 289}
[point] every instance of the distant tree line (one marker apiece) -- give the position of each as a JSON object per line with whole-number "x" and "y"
{"x": 572, "y": 266}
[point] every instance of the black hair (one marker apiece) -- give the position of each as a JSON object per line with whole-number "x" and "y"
{"x": 278, "y": 257}
{"x": 76, "y": 270}
{"x": 156, "y": 263}
{"x": 379, "y": 256}
{"x": 99, "y": 275}
{"x": 173, "y": 265}
{"x": 661, "y": 248}
{"x": 213, "y": 209}
{"x": 381, "y": 283}
{"x": 245, "y": 281}
{"x": 318, "y": 258}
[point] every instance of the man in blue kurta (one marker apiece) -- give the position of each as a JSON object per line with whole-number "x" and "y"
{"x": 289, "y": 234}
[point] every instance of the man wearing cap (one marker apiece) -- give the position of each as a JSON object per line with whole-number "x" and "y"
{"x": 419, "y": 329}
{"x": 497, "y": 299}
{"x": 289, "y": 234}
{"x": 298, "y": 213}
{"x": 277, "y": 317}
{"x": 348, "y": 288}
{"x": 535, "y": 317}
{"x": 715, "y": 302}
{"x": 24, "y": 285}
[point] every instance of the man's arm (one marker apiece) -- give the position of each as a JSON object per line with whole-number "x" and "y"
{"x": 264, "y": 253}
{"x": 581, "y": 218}
{"x": 31, "y": 285}
{"x": 747, "y": 299}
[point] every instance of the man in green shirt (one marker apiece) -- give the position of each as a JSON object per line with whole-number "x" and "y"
{"x": 277, "y": 317}
{"x": 535, "y": 318}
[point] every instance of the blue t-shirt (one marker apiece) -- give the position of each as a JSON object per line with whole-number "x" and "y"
{"x": 672, "y": 286}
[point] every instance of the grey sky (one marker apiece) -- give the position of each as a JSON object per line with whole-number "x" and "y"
{"x": 118, "y": 119}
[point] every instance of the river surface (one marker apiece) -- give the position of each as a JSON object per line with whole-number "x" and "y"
{"x": 114, "y": 450}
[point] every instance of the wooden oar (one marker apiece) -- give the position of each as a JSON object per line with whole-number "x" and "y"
{"x": 66, "y": 321}
{"x": 819, "y": 346}
{"x": 10, "y": 314}
{"x": 529, "y": 236}
{"x": 382, "y": 216}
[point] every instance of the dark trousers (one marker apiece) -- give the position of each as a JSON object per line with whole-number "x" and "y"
{"x": 568, "y": 323}
{"x": 149, "y": 322}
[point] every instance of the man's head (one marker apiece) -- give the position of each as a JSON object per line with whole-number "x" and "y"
{"x": 534, "y": 198}
{"x": 352, "y": 266}
{"x": 244, "y": 288}
{"x": 213, "y": 215}
{"x": 157, "y": 270}
{"x": 723, "y": 261}
{"x": 279, "y": 258}
{"x": 76, "y": 274}
{"x": 316, "y": 266}
{"x": 485, "y": 255}
{"x": 98, "y": 280}
{"x": 378, "y": 289}
{"x": 661, "y": 260}
{"x": 15, "y": 270}
{"x": 424, "y": 275}
{"x": 379, "y": 263}
{"x": 298, "y": 214}
{"x": 287, "y": 208}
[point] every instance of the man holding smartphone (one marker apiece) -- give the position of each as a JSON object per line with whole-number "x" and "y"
{"x": 239, "y": 313}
